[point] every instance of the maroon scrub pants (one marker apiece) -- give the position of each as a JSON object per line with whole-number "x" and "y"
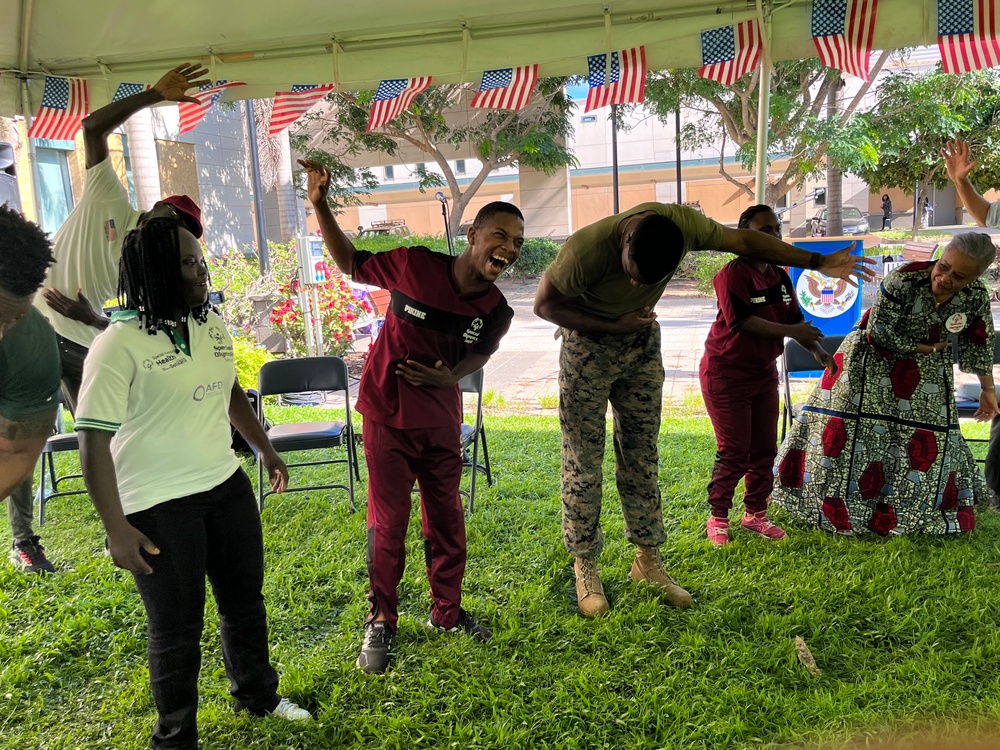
{"x": 744, "y": 413}
{"x": 431, "y": 457}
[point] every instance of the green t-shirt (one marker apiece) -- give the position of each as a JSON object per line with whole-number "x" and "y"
{"x": 29, "y": 368}
{"x": 589, "y": 269}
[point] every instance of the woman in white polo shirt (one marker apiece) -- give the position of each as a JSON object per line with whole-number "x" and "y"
{"x": 159, "y": 391}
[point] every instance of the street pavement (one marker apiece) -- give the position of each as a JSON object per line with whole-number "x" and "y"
{"x": 525, "y": 370}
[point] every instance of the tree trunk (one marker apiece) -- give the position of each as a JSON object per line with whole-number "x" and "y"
{"x": 834, "y": 176}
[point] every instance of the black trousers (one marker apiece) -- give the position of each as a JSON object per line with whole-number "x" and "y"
{"x": 992, "y": 470}
{"x": 215, "y": 533}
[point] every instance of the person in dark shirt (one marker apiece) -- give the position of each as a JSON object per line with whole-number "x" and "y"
{"x": 739, "y": 379}
{"x": 445, "y": 319}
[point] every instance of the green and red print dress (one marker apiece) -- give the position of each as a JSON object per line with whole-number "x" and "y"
{"x": 877, "y": 446}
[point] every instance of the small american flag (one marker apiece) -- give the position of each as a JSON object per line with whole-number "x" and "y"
{"x": 730, "y": 52}
{"x": 967, "y": 35}
{"x": 506, "y": 88}
{"x": 65, "y": 102}
{"x": 393, "y": 97}
{"x": 125, "y": 90}
{"x": 626, "y": 84}
{"x": 207, "y": 95}
{"x": 842, "y": 32}
{"x": 289, "y": 106}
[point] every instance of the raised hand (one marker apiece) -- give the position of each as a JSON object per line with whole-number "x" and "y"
{"x": 842, "y": 265}
{"x": 318, "y": 177}
{"x": 174, "y": 84}
{"x": 956, "y": 160}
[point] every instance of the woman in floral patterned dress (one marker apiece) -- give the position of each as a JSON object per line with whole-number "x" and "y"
{"x": 877, "y": 446}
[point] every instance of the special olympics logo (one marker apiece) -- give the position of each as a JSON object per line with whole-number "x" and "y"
{"x": 147, "y": 364}
{"x": 216, "y": 335}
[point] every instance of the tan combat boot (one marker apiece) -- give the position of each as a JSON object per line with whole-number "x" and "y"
{"x": 649, "y": 567}
{"x": 589, "y": 591}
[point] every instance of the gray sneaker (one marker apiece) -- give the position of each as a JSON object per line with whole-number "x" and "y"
{"x": 466, "y": 624}
{"x": 376, "y": 650}
{"x": 29, "y": 556}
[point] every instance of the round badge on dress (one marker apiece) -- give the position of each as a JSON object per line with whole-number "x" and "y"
{"x": 956, "y": 322}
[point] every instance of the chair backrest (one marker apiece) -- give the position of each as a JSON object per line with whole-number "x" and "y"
{"x": 797, "y": 359}
{"x": 472, "y": 383}
{"x": 303, "y": 374}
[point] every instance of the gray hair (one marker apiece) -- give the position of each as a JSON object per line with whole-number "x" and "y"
{"x": 976, "y": 245}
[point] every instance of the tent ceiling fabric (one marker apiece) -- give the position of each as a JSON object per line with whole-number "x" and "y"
{"x": 271, "y": 45}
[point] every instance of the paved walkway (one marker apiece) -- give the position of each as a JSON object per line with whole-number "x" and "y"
{"x": 525, "y": 370}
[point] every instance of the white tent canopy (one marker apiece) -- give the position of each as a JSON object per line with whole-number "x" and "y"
{"x": 271, "y": 45}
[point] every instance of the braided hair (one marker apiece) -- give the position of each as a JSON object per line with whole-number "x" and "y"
{"x": 149, "y": 276}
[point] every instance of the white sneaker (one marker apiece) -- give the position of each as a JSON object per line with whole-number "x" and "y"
{"x": 290, "y": 712}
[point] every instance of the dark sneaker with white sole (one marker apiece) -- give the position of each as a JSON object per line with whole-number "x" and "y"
{"x": 376, "y": 650}
{"x": 29, "y": 556}
{"x": 466, "y": 624}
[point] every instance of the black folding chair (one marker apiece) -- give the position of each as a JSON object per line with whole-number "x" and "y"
{"x": 472, "y": 435}
{"x": 322, "y": 374}
{"x": 797, "y": 359}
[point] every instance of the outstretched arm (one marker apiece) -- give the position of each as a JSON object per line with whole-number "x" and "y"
{"x": 341, "y": 248}
{"x": 839, "y": 265}
{"x": 172, "y": 88}
{"x": 958, "y": 164}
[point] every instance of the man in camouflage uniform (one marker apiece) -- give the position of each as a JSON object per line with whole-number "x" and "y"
{"x": 601, "y": 290}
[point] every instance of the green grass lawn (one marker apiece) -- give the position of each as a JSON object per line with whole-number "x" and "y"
{"x": 904, "y": 630}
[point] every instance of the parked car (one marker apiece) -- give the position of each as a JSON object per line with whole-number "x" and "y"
{"x": 392, "y": 227}
{"x": 853, "y": 220}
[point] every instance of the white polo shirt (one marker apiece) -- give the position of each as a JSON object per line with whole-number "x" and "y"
{"x": 169, "y": 410}
{"x": 87, "y": 249}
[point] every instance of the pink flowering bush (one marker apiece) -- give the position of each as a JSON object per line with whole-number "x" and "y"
{"x": 340, "y": 309}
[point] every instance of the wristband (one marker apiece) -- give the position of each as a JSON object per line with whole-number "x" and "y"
{"x": 991, "y": 388}
{"x": 815, "y": 261}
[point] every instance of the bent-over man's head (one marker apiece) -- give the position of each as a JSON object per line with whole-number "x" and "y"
{"x": 652, "y": 248}
{"x": 25, "y": 256}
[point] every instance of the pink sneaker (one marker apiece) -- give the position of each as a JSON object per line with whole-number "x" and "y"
{"x": 717, "y": 531}
{"x": 759, "y": 523}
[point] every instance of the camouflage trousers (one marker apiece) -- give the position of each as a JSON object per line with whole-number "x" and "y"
{"x": 626, "y": 370}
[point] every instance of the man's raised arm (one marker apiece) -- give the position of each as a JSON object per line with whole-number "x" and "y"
{"x": 172, "y": 87}
{"x": 341, "y": 248}
{"x": 840, "y": 264}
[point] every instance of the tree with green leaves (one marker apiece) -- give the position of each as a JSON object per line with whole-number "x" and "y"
{"x": 534, "y": 136}
{"x": 897, "y": 143}
{"x": 799, "y": 129}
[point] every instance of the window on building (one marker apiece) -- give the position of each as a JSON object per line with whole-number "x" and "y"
{"x": 128, "y": 172}
{"x": 460, "y": 166}
{"x": 421, "y": 167}
{"x": 55, "y": 189}
{"x": 388, "y": 173}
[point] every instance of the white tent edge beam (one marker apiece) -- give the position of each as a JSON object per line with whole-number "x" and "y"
{"x": 449, "y": 53}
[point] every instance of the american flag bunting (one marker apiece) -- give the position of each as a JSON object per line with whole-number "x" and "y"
{"x": 289, "y": 106}
{"x": 207, "y": 95}
{"x": 393, "y": 97}
{"x": 730, "y": 52}
{"x": 626, "y": 84}
{"x": 842, "y": 31}
{"x": 125, "y": 90}
{"x": 967, "y": 35}
{"x": 65, "y": 102}
{"x": 506, "y": 88}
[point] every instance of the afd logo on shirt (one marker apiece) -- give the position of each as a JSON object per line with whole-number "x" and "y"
{"x": 207, "y": 390}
